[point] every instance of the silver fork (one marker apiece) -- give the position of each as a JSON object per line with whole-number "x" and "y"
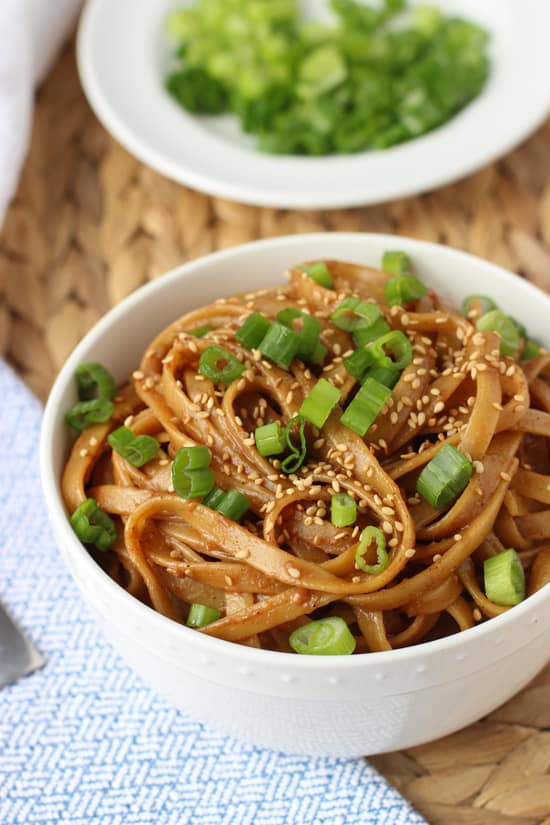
{"x": 18, "y": 655}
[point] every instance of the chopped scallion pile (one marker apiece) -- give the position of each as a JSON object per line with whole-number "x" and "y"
{"x": 378, "y": 75}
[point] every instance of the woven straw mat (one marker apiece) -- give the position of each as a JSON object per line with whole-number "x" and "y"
{"x": 90, "y": 224}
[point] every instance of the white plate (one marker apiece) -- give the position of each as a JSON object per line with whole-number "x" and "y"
{"x": 123, "y": 54}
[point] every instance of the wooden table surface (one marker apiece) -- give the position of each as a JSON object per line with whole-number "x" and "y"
{"x": 90, "y": 224}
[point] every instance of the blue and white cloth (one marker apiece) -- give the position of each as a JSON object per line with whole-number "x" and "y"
{"x": 83, "y": 741}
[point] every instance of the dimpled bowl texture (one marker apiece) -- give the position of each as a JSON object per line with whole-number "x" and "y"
{"x": 326, "y": 705}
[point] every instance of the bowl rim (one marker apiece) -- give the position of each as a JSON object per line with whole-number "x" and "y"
{"x": 65, "y": 537}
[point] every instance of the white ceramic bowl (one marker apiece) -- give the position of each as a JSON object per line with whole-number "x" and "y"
{"x": 339, "y": 706}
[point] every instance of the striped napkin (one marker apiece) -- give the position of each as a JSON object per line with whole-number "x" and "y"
{"x": 83, "y": 741}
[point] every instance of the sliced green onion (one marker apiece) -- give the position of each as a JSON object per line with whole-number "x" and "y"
{"x": 480, "y": 304}
{"x": 253, "y": 330}
{"x": 213, "y": 498}
{"x": 343, "y": 510}
{"x": 309, "y": 333}
{"x": 396, "y": 263}
{"x": 368, "y": 334}
{"x": 200, "y": 615}
{"x": 358, "y": 362}
{"x": 309, "y": 337}
{"x": 219, "y": 365}
{"x": 369, "y": 535}
{"x": 402, "y": 290}
{"x": 192, "y": 483}
{"x": 319, "y": 272}
{"x": 270, "y": 439}
{"x": 353, "y": 314}
{"x": 366, "y": 406}
{"x": 93, "y": 525}
{"x": 320, "y": 402}
{"x": 137, "y": 449}
{"x": 86, "y": 413}
{"x": 504, "y": 578}
{"x": 319, "y": 354}
{"x": 497, "y": 321}
{"x": 444, "y": 477}
{"x": 324, "y": 637}
{"x": 233, "y": 505}
{"x": 200, "y": 332}
{"x": 297, "y": 455}
{"x": 193, "y": 458}
{"x": 388, "y": 376}
{"x": 522, "y": 331}
{"x": 530, "y": 350}
{"x": 94, "y": 381}
{"x": 280, "y": 344}
{"x": 392, "y": 350}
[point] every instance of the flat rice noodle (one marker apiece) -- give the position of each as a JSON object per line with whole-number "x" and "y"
{"x": 371, "y": 625}
{"x": 539, "y": 575}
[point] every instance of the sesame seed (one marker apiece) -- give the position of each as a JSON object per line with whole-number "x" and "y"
{"x": 83, "y": 453}
{"x": 138, "y": 375}
{"x": 476, "y": 613}
{"x": 228, "y": 580}
{"x": 505, "y": 476}
{"x": 356, "y": 579}
{"x": 437, "y": 557}
{"x": 457, "y": 537}
{"x": 410, "y": 552}
{"x": 294, "y": 572}
{"x": 242, "y": 554}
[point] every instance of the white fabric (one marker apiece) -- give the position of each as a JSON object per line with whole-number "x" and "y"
{"x": 31, "y": 33}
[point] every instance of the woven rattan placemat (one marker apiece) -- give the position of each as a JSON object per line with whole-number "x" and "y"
{"x": 90, "y": 224}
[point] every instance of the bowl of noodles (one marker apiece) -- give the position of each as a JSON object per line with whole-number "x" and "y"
{"x": 304, "y": 485}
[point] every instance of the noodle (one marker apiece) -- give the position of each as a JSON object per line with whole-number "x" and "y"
{"x": 285, "y": 563}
